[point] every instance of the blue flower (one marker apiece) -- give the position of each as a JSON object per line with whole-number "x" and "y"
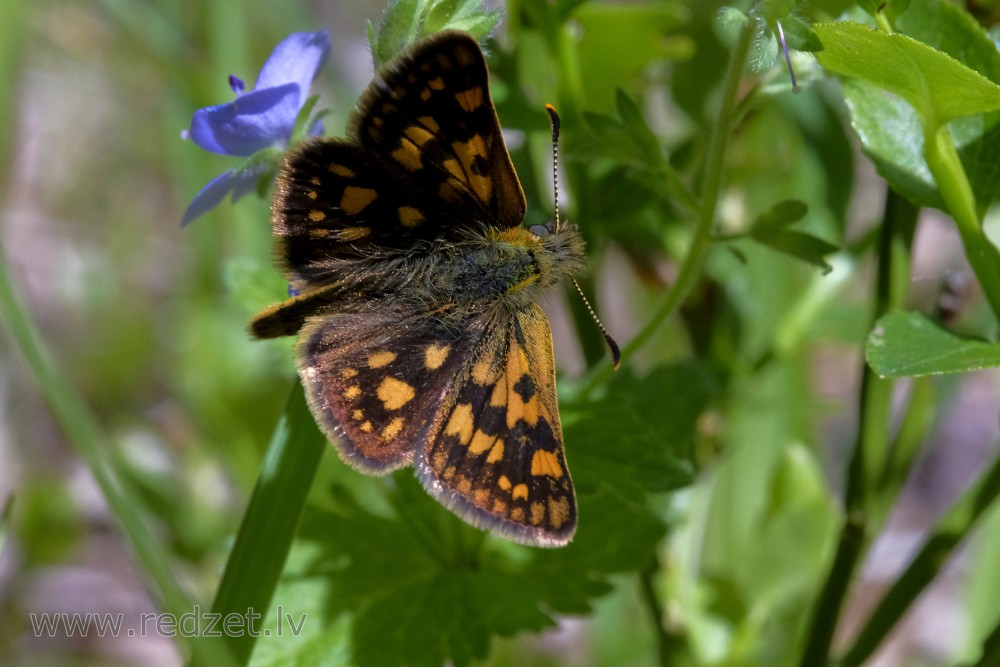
{"x": 260, "y": 120}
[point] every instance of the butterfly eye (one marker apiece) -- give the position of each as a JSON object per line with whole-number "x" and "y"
{"x": 541, "y": 231}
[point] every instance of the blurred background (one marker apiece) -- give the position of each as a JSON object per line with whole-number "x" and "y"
{"x": 147, "y": 321}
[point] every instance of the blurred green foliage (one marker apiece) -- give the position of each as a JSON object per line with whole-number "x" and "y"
{"x": 732, "y": 477}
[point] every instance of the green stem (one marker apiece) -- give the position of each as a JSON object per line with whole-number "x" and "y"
{"x": 665, "y": 644}
{"x": 870, "y": 450}
{"x": 950, "y": 530}
{"x": 271, "y": 520}
{"x": 953, "y": 184}
{"x": 714, "y": 168}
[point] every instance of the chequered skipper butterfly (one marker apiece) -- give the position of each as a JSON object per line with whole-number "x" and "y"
{"x": 419, "y": 339}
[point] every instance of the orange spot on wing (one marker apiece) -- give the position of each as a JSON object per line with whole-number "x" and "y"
{"x": 520, "y": 491}
{"x": 470, "y": 99}
{"x": 429, "y": 123}
{"x": 481, "y": 442}
{"x": 558, "y": 512}
{"x": 355, "y": 199}
{"x": 339, "y": 170}
{"x": 380, "y": 359}
{"x": 455, "y": 169}
{"x": 537, "y": 513}
{"x": 353, "y": 233}
{"x": 435, "y": 355}
{"x": 393, "y": 429}
{"x": 467, "y": 152}
{"x": 496, "y": 454}
{"x": 461, "y": 423}
{"x": 409, "y": 156}
{"x": 409, "y": 216}
{"x": 418, "y": 135}
{"x": 395, "y": 393}
{"x": 544, "y": 462}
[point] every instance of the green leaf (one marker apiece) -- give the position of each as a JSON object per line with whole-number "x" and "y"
{"x": 939, "y": 87}
{"x": 770, "y": 230}
{"x": 804, "y": 246}
{"x": 946, "y": 27}
{"x": 406, "y": 21}
{"x": 800, "y": 35}
{"x": 467, "y": 15}
{"x": 652, "y": 446}
{"x": 891, "y": 135}
{"x": 907, "y": 344}
{"x": 398, "y": 27}
{"x": 423, "y": 588}
{"x": 782, "y": 214}
{"x": 890, "y": 129}
{"x": 641, "y": 192}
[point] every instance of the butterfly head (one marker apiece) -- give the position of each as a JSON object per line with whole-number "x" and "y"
{"x": 549, "y": 255}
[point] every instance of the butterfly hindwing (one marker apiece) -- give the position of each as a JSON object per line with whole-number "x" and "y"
{"x": 494, "y": 453}
{"x": 375, "y": 382}
{"x": 428, "y": 115}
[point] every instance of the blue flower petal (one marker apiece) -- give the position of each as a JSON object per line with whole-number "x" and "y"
{"x": 236, "y": 181}
{"x": 259, "y": 119}
{"x": 253, "y": 121}
{"x": 296, "y": 59}
{"x": 317, "y": 128}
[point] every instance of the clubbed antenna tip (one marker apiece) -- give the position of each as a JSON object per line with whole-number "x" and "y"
{"x": 616, "y": 353}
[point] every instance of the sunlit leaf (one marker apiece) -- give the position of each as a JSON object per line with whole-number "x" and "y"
{"x": 908, "y": 344}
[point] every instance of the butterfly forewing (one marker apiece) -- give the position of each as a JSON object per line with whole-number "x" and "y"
{"x": 494, "y": 453}
{"x": 333, "y": 202}
{"x": 429, "y": 117}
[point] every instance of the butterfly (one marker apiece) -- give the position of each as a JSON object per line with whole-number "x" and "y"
{"x": 420, "y": 341}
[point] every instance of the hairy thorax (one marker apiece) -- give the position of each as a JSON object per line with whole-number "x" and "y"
{"x": 507, "y": 268}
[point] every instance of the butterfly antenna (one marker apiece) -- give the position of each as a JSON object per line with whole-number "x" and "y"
{"x": 616, "y": 353}
{"x": 554, "y": 119}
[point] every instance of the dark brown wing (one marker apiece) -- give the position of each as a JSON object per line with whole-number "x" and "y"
{"x": 429, "y": 117}
{"x": 426, "y": 159}
{"x": 475, "y": 412}
{"x": 375, "y": 381}
{"x": 333, "y": 202}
